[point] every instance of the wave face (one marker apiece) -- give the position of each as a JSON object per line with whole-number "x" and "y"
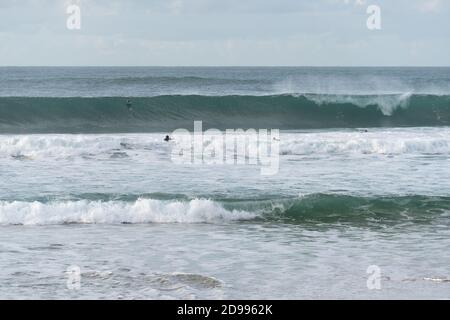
{"x": 326, "y": 208}
{"x": 314, "y": 208}
{"x": 167, "y": 113}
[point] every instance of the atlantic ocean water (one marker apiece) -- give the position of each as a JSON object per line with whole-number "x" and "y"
{"x": 88, "y": 183}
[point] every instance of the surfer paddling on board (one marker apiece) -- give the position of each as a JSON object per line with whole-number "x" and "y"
{"x": 167, "y": 139}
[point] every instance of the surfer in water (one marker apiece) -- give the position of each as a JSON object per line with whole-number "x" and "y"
{"x": 167, "y": 139}
{"x": 129, "y": 105}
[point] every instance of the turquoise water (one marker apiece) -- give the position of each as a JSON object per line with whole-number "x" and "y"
{"x": 363, "y": 180}
{"x": 168, "y": 113}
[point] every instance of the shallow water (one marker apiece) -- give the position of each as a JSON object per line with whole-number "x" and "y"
{"x": 311, "y": 231}
{"x": 220, "y": 261}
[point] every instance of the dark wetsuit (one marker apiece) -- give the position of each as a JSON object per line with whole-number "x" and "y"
{"x": 129, "y": 104}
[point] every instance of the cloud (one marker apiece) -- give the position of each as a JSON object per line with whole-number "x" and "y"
{"x": 217, "y": 32}
{"x": 430, "y": 5}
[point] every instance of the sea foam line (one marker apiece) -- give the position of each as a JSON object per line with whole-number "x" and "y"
{"x": 45, "y": 147}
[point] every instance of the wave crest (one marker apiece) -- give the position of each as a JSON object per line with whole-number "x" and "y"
{"x": 312, "y": 208}
{"x": 114, "y": 212}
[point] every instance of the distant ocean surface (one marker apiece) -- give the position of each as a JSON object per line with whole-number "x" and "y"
{"x": 87, "y": 181}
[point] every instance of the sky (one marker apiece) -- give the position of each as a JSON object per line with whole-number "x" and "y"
{"x": 224, "y": 33}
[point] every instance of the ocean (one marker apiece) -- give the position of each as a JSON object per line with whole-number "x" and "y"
{"x": 92, "y": 205}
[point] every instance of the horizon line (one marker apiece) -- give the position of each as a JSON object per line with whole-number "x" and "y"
{"x": 221, "y": 66}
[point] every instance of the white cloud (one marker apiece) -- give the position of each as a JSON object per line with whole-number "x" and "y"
{"x": 430, "y": 5}
{"x": 217, "y": 32}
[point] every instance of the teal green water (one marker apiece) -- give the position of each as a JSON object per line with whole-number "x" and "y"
{"x": 168, "y": 113}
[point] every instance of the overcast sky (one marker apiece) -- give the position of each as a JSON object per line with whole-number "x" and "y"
{"x": 225, "y": 32}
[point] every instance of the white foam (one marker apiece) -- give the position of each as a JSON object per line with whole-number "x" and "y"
{"x": 387, "y": 103}
{"x": 148, "y": 146}
{"x": 378, "y": 142}
{"x": 65, "y": 145}
{"x": 115, "y": 212}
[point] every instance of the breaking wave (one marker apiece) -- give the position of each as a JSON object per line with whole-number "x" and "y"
{"x": 314, "y": 208}
{"x": 113, "y": 212}
{"x": 167, "y": 113}
{"x": 424, "y": 141}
